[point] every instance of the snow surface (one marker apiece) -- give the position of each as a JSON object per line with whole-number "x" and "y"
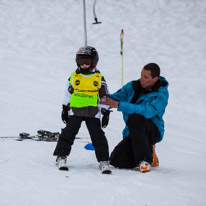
{"x": 38, "y": 42}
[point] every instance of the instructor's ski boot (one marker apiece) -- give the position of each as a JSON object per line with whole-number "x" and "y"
{"x": 104, "y": 167}
{"x": 155, "y": 162}
{"x": 61, "y": 163}
{"x": 145, "y": 166}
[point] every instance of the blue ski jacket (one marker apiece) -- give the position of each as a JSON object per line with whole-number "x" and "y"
{"x": 150, "y": 103}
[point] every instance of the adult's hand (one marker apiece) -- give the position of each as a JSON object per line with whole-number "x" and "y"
{"x": 110, "y": 102}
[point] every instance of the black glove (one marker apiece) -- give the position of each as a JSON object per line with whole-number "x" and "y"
{"x": 65, "y": 115}
{"x": 105, "y": 118}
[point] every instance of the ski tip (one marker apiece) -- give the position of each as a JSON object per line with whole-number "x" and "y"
{"x": 106, "y": 172}
{"x": 64, "y": 168}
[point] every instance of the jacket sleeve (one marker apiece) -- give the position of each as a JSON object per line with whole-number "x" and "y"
{"x": 122, "y": 94}
{"x": 67, "y": 93}
{"x": 148, "y": 108}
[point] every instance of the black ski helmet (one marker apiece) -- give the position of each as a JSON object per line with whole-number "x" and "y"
{"x": 88, "y": 51}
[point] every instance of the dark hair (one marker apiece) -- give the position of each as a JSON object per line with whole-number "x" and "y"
{"x": 154, "y": 68}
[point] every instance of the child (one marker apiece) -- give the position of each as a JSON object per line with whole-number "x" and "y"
{"x": 84, "y": 89}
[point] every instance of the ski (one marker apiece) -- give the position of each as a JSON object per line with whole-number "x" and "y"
{"x": 42, "y": 135}
{"x": 65, "y": 168}
{"x": 108, "y": 171}
{"x": 48, "y": 136}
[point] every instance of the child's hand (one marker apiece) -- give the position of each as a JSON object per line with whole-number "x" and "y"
{"x": 105, "y": 121}
{"x": 105, "y": 118}
{"x": 65, "y": 115}
{"x": 110, "y": 102}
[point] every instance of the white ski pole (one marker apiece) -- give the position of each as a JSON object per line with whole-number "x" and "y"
{"x": 85, "y": 22}
{"x": 121, "y": 52}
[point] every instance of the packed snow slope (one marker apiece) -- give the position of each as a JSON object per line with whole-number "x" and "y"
{"x": 38, "y": 42}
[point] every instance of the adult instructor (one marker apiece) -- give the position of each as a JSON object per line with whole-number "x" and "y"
{"x": 143, "y": 104}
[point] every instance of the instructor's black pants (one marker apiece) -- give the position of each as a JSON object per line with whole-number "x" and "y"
{"x": 69, "y": 133}
{"x": 138, "y": 146}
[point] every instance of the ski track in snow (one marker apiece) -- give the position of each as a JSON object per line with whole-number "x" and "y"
{"x": 38, "y": 41}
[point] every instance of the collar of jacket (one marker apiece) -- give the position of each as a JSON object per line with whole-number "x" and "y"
{"x": 87, "y": 71}
{"x": 139, "y": 90}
